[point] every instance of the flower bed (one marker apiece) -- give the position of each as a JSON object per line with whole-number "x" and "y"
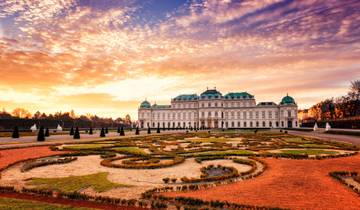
{"x": 147, "y": 163}
{"x": 46, "y": 161}
{"x": 213, "y": 173}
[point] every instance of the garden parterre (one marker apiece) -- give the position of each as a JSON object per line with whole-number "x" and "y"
{"x": 134, "y": 166}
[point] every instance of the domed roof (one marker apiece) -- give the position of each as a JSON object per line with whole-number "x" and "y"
{"x": 211, "y": 93}
{"x": 145, "y": 104}
{"x": 287, "y": 100}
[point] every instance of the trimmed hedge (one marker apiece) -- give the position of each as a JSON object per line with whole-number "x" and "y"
{"x": 147, "y": 165}
{"x": 46, "y": 161}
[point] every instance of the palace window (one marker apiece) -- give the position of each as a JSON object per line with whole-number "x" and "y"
{"x": 282, "y": 123}
{"x": 264, "y": 124}
{"x": 257, "y": 124}
{"x": 251, "y": 115}
{"x": 276, "y": 114}
{"x": 257, "y": 115}
{"x": 202, "y": 114}
{"x": 277, "y": 123}
{"x": 289, "y": 113}
{"x": 244, "y": 124}
{"x": 245, "y": 115}
{"x": 216, "y": 104}
{"x": 239, "y": 124}
{"x": 209, "y": 104}
{"x": 263, "y": 114}
{"x": 270, "y": 124}
{"x": 251, "y": 124}
{"x": 232, "y": 124}
{"x": 270, "y": 114}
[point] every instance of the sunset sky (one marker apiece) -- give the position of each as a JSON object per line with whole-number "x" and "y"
{"x": 106, "y": 56}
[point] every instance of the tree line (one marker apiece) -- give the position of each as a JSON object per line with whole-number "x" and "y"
{"x": 24, "y": 119}
{"x": 344, "y": 107}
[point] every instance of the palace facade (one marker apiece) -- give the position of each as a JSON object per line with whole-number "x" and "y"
{"x": 213, "y": 110}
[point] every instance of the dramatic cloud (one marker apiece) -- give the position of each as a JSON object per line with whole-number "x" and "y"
{"x": 84, "y": 50}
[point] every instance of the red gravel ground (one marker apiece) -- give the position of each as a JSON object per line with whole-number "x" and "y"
{"x": 294, "y": 184}
{"x": 11, "y": 156}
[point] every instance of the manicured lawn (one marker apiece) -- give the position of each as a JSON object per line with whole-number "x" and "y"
{"x": 309, "y": 152}
{"x": 130, "y": 150}
{"x": 221, "y": 153}
{"x": 17, "y": 204}
{"x": 86, "y": 146}
{"x": 98, "y": 182}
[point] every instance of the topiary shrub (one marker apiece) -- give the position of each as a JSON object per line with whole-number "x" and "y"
{"x": 137, "y": 131}
{"x": 102, "y": 133}
{"x": 149, "y": 130}
{"x": 91, "y": 131}
{"x": 47, "y": 132}
{"x": 41, "y": 135}
{"x": 71, "y": 131}
{"x": 122, "y": 133}
{"x": 77, "y": 133}
{"x": 15, "y": 133}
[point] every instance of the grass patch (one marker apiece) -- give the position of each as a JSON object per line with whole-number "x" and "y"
{"x": 86, "y": 146}
{"x": 296, "y": 140}
{"x": 98, "y": 182}
{"x": 130, "y": 150}
{"x": 309, "y": 152}
{"x": 224, "y": 153}
{"x": 17, "y": 204}
{"x": 324, "y": 146}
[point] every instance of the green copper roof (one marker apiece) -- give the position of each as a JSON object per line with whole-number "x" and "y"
{"x": 240, "y": 95}
{"x": 211, "y": 94}
{"x": 156, "y": 106}
{"x": 145, "y": 104}
{"x": 287, "y": 100}
{"x": 186, "y": 97}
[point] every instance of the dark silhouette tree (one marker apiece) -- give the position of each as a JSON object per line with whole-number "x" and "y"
{"x": 106, "y": 130}
{"x": 77, "y": 133}
{"x": 41, "y": 135}
{"x": 118, "y": 130}
{"x": 91, "y": 131}
{"x": 15, "y": 133}
{"x": 137, "y": 131}
{"x": 158, "y": 129}
{"x": 71, "y": 131}
{"x": 47, "y": 132}
{"x": 122, "y": 133}
{"x": 149, "y": 130}
{"x": 102, "y": 133}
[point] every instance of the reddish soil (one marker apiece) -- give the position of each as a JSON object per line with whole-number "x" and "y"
{"x": 74, "y": 203}
{"x": 294, "y": 184}
{"x": 12, "y": 156}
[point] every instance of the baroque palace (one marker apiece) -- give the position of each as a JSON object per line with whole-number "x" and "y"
{"x": 213, "y": 110}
